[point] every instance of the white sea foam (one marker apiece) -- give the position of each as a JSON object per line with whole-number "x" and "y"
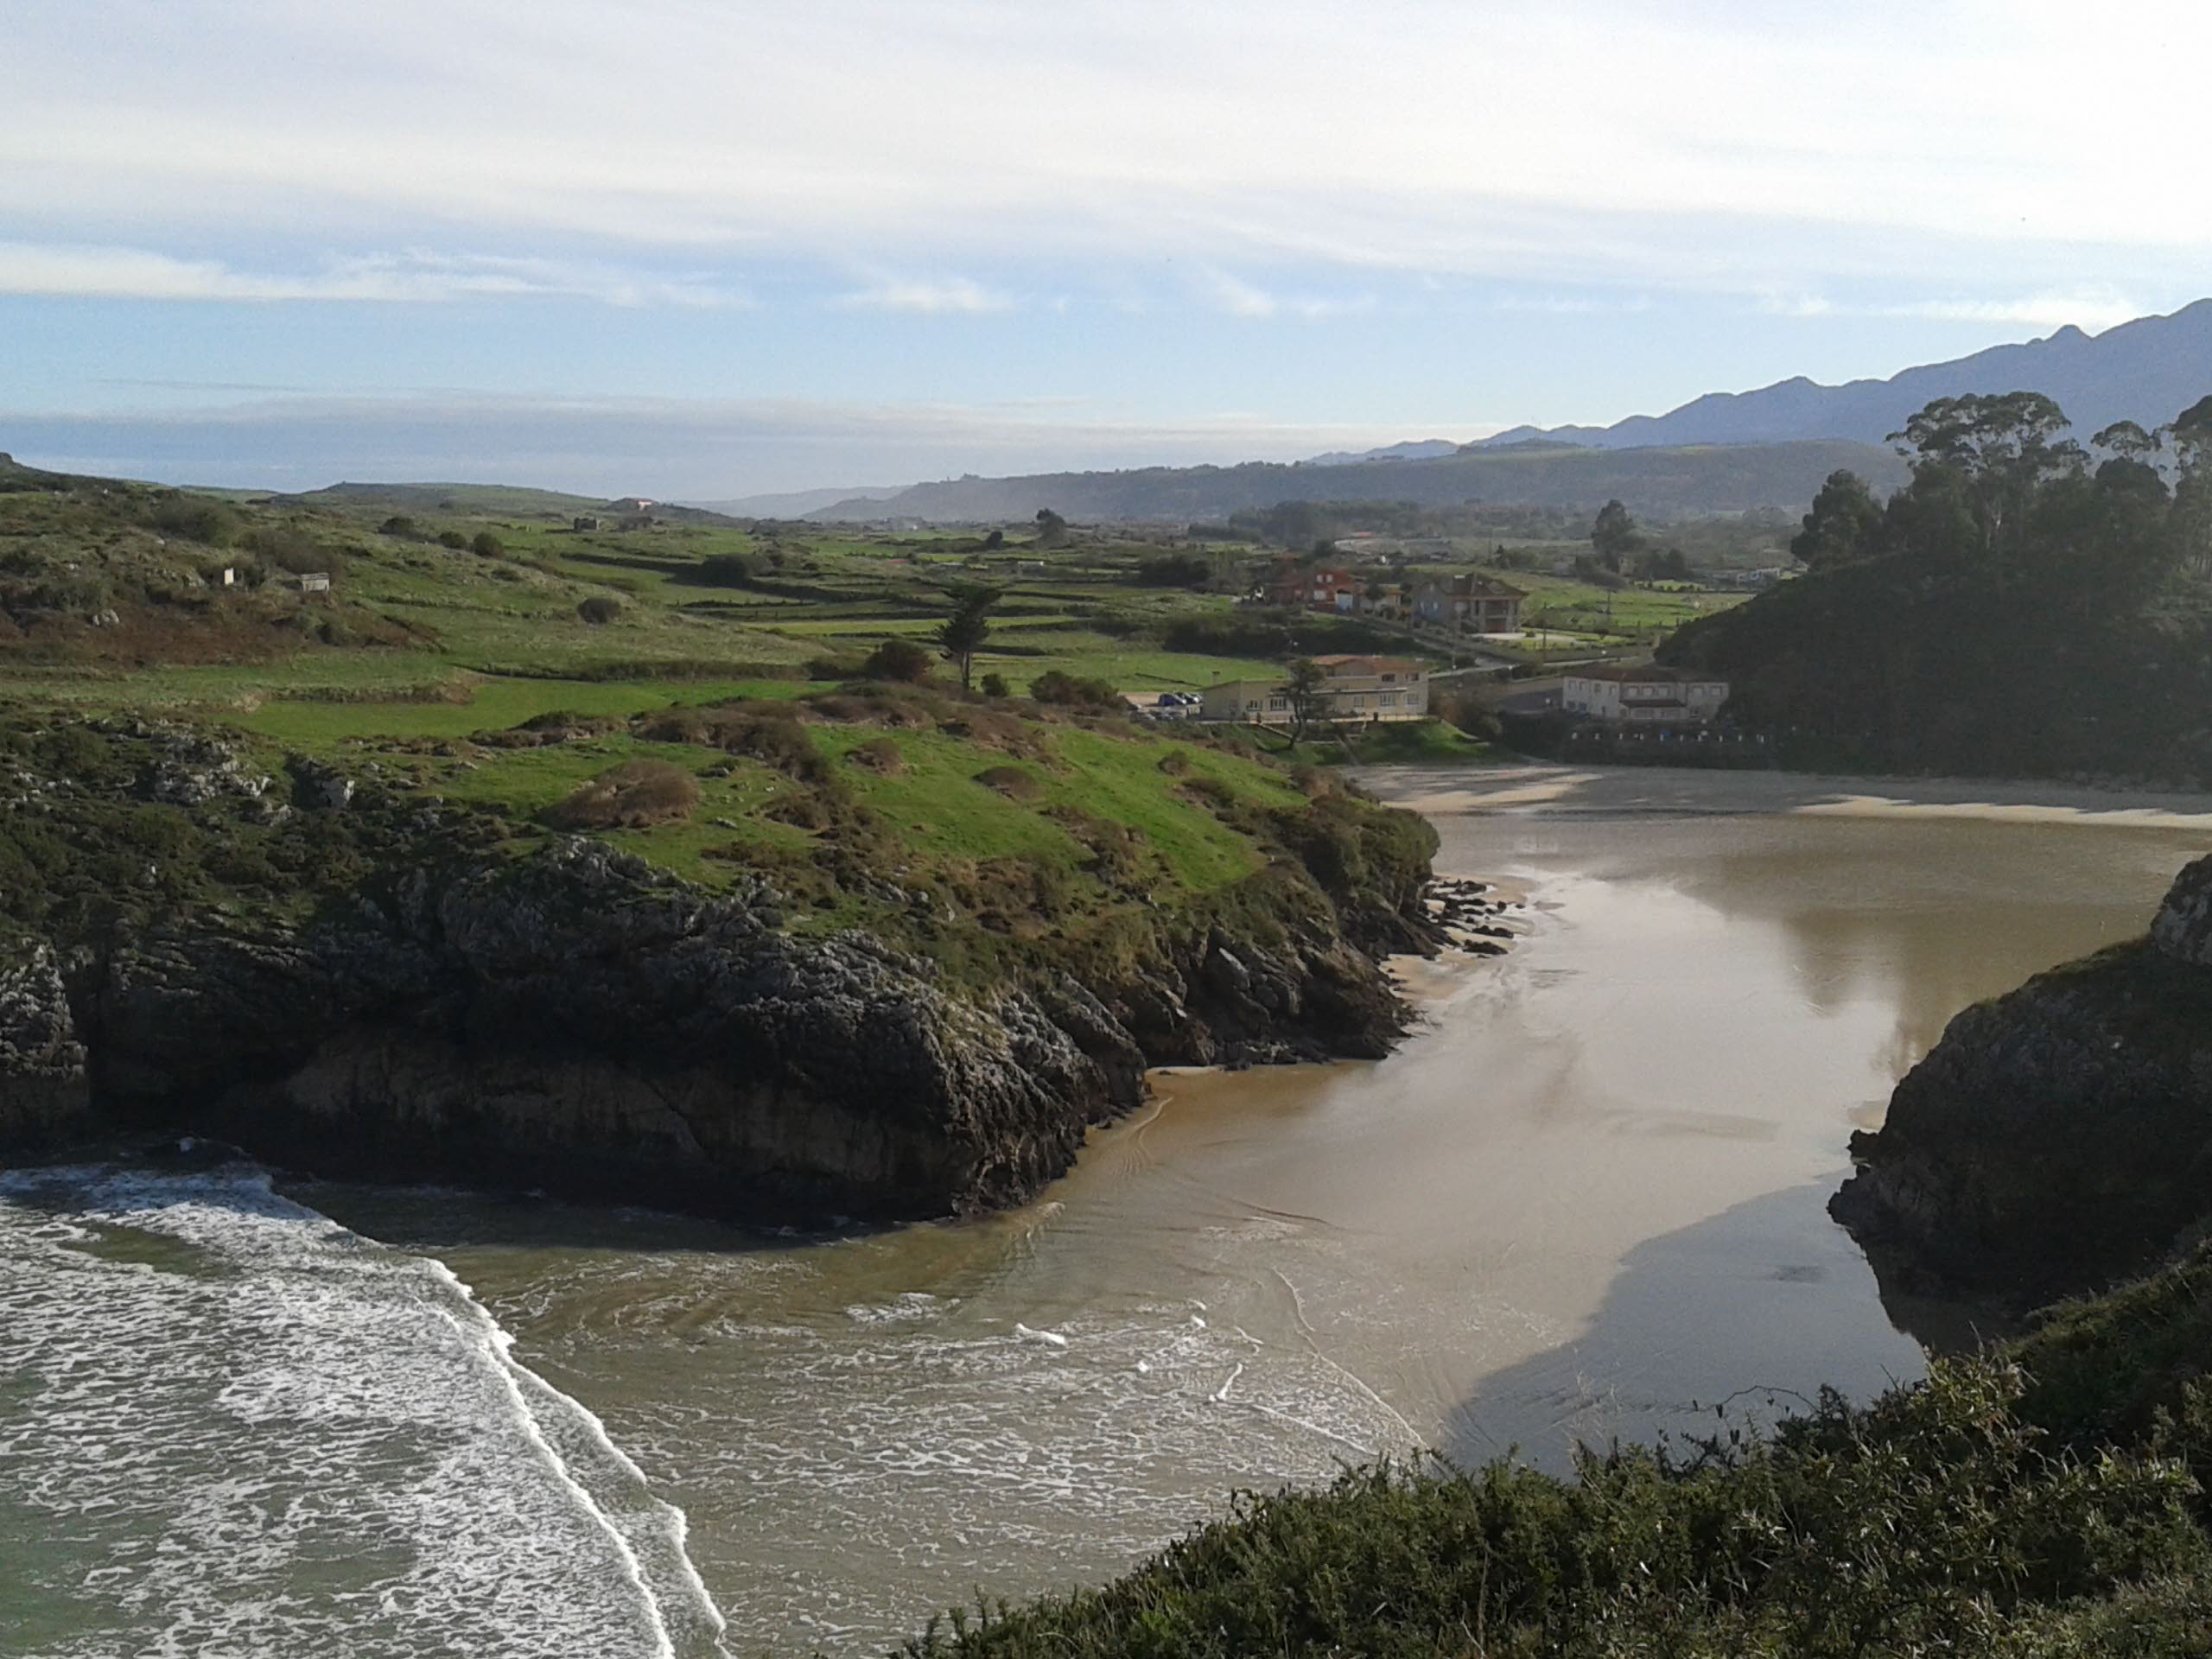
{"x": 228, "y": 1425}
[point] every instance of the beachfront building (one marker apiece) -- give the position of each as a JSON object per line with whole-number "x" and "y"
{"x": 1647, "y": 696}
{"x": 1362, "y": 688}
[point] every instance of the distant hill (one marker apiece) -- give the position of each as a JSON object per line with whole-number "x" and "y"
{"x": 797, "y": 504}
{"x": 512, "y": 499}
{"x": 2147, "y": 371}
{"x": 1655, "y": 483}
{"x": 1415, "y": 450}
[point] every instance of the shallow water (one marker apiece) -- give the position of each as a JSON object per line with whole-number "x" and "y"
{"x": 1585, "y": 1200}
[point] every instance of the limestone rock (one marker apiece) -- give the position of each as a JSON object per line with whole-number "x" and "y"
{"x": 2184, "y": 927}
{"x": 2057, "y": 1135}
{"x": 43, "y": 1090}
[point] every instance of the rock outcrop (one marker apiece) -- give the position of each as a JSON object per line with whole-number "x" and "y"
{"x": 579, "y": 1022}
{"x": 2057, "y": 1137}
{"x": 44, "y": 1093}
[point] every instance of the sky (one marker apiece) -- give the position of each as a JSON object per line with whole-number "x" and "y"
{"x": 700, "y": 249}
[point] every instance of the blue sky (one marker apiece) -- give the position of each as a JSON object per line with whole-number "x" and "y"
{"x": 691, "y": 247}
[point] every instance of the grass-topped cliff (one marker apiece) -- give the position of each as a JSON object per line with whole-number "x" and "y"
{"x": 562, "y": 856}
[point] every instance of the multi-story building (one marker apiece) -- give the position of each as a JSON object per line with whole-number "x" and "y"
{"x": 1644, "y": 696}
{"x": 1470, "y": 604}
{"x": 1363, "y": 689}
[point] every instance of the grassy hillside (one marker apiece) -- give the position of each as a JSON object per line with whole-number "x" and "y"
{"x": 691, "y": 693}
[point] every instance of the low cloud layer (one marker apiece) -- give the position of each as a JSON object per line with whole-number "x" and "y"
{"x": 673, "y": 450}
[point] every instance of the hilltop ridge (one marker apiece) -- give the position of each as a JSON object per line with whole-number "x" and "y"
{"x": 2140, "y": 370}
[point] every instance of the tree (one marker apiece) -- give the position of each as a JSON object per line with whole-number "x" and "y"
{"x": 1051, "y": 529}
{"x": 2127, "y": 442}
{"x": 1306, "y": 689}
{"x": 2191, "y": 435}
{"x": 961, "y": 635}
{"x": 1844, "y": 526}
{"x": 994, "y": 541}
{"x": 2000, "y": 449}
{"x": 1615, "y": 535}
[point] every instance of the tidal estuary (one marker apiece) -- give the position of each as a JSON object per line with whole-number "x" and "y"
{"x": 1584, "y": 1200}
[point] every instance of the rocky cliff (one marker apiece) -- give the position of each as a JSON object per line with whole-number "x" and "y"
{"x": 577, "y": 1021}
{"x": 2057, "y": 1137}
{"x": 44, "y": 1094}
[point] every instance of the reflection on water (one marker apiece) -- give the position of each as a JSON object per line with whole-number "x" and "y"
{"x": 1588, "y": 1194}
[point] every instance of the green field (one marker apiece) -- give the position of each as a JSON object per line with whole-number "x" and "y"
{"x": 476, "y": 649}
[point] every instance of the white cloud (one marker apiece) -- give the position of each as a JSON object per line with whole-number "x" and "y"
{"x": 2092, "y": 309}
{"x": 941, "y": 296}
{"x": 1672, "y": 145}
{"x": 411, "y": 277}
{"x": 1241, "y": 298}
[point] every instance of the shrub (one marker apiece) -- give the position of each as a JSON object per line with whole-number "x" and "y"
{"x": 879, "y": 755}
{"x": 898, "y": 660}
{"x": 771, "y": 734}
{"x": 995, "y": 685}
{"x": 1015, "y": 783}
{"x": 833, "y": 669}
{"x": 723, "y": 571}
{"x": 487, "y": 545}
{"x": 633, "y": 795}
{"x": 452, "y": 538}
{"x": 599, "y": 610}
{"x": 401, "y": 526}
{"x": 287, "y": 547}
{"x": 196, "y": 518}
{"x": 1067, "y": 690}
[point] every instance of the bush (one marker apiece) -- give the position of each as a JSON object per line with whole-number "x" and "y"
{"x": 1053, "y": 686}
{"x": 196, "y": 518}
{"x": 898, "y": 660}
{"x": 400, "y": 526}
{"x": 633, "y": 795}
{"x": 599, "y": 610}
{"x": 879, "y": 755}
{"x": 452, "y": 538}
{"x": 1173, "y": 570}
{"x": 1015, "y": 783}
{"x": 487, "y": 545}
{"x": 287, "y": 547}
{"x": 995, "y": 685}
{"x": 723, "y": 571}
{"x": 770, "y": 735}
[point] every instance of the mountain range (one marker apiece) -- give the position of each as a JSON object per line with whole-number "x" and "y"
{"x": 2147, "y": 370}
{"x": 1724, "y": 452}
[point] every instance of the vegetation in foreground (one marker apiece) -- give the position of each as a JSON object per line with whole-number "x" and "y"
{"x": 2045, "y": 1500}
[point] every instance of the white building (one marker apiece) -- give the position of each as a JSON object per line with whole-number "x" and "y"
{"x": 1644, "y": 696}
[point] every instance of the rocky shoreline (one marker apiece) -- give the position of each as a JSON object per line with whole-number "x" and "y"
{"x": 579, "y": 1022}
{"x": 2058, "y": 1137}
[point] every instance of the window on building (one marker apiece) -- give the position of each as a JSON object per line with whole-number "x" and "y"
{"x": 1276, "y": 704}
